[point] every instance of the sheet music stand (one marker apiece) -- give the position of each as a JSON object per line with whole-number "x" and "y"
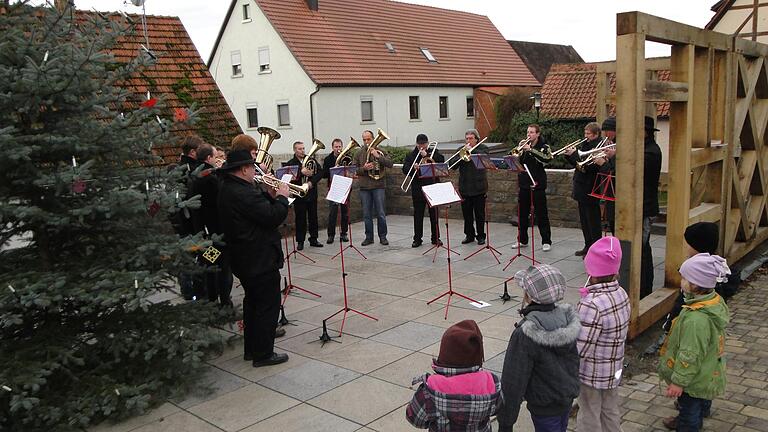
{"x": 484, "y": 162}
{"x": 515, "y": 166}
{"x": 351, "y": 172}
{"x": 289, "y": 285}
{"x": 345, "y": 309}
{"x": 435, "y": 170}
{"x": 293, "y": 170}
{"x": 446, "y": 204}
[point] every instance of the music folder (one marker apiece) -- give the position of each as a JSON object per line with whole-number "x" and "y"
{"x": 344, "y": 171}
{"x": 293, "y": 170}
{"x": 513, "y": 163}
{"x": 434, "y": 170}
{"x": 482, "y": 161}
{"x": 339, "y": 190}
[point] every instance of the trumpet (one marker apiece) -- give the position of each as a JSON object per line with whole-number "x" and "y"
{"x": 572, "y": 145}
{"x": 415, "y": 167}
{"x": 345, "y": 158}
{"x": 594, "y": 154}
{"x": 517, "y": 151}
{"x": 274, "y": 183}
{"x": 464, "y": 154}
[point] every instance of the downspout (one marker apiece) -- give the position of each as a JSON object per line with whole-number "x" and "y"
{"x": 312, "y": 111}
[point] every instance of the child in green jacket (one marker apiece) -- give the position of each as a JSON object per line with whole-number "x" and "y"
{"x": 692, "y": 358}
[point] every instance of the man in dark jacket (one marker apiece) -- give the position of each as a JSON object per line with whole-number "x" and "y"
{"x": 419, "y": 154}
{"x": 473, "y": 186}
{"x": 651, "y": 173}
{"x": 250, "y": 219}
{"x": 542, "y": 361}
{"x": 534, "y": 156}
{"x": 218, "y": 279}
{"x": 583, "y": 182}
{"x": 333, "y": 208}
{"x": 305, "y": 207}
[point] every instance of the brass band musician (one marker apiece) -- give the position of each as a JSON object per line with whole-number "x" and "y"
{"x": 412, "y": 161}
{"x": 333, "y": 208}
{"x": 305, "y": 207}
{"x": 473, "y": 186}
{"x": 372, "y": 188}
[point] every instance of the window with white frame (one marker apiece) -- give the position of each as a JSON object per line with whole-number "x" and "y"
{"x": 443, "y": 107}
{"x": 413, "y": 107}
{"x": 246, "y": 12}
{"x": 428, "y": 55}
{"x": 283, "y": 115}
{"x": 264, "y": 59}
{"x": 237, "y": 64}
{"x": 470, "y": 107}
{"x": 366, "y": 109}
{"x": 253, "y": 117}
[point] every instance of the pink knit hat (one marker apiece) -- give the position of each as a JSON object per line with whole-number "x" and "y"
{"x": 603, "y": 257}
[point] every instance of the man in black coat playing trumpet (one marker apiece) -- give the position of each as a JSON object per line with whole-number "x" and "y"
{"x": 420, "y": 155}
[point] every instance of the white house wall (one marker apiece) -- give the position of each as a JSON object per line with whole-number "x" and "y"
{"x": 286, "y": 83}
{"x": 733, "y": 19}
{"x": 338, "y": 113}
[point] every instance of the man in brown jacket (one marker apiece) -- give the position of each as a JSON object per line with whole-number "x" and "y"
{"x": 372, "y": 191}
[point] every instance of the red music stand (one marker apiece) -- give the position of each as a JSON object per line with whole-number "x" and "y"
{"x": 351, "y": 172}
{"x": 437, "y": 201}
{"x": 487, "y": 245}
{"x": 293, "y": 243}
{"x": 435, "y": 170}
{"x": 603, "y": 187}
{"x": 289, "y": 285}
{"x": 514, "y": 167}
{"x": 346, "y": 309}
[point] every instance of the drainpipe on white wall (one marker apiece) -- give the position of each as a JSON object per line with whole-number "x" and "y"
{"x": 312, "y": 111}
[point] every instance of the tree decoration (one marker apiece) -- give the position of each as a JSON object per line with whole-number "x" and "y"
{"x": 180, "y": 115}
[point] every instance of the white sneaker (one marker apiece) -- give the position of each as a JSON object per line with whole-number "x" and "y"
{"x": 515, "y": 245}
{"x": 546, "y": 247}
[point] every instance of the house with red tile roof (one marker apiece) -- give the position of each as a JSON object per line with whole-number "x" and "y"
{"x": 333, "y": 68}
{"x": 746, "y": 18}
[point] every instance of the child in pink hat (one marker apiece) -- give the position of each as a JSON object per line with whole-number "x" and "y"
{"x": 604, "y": 314}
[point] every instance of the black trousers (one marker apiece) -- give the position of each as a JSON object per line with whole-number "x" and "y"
{"x": 333, "y": 213}
{"x": 589, "y": 216}
{"x": 473, "y": 210}
{"x": 418, "y": 220}
{"x": 219, "y": 280}
{"x": 261, "y": 310}
{"x": 539, "y": 211}
{"x": 306, "y": 207}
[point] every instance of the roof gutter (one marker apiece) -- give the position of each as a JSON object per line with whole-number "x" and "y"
{"x": 312, "y": 110}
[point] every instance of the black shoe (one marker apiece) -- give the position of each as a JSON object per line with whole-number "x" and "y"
{"x": 315, "y": 243}
{"x": 273, "y": 359}
{"x": 437, "y": 242}
{"x": 416, "y": 243}
{"x": 248, "y": 357}
{"x": 581, "y": 252}
{"x": 280, "y": 332}
{"x": 384, "y": 241}
{"x": 329, "y": 241}
{"x": 300, "y": 246}
{"x": 343, "y": 238}
{"x": 366, "y": 242}
{"x": 467, "y": 240}
{"x": 481, "y": 240}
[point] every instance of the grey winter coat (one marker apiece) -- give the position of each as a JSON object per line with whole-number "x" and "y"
{"x": 541, "y": 364}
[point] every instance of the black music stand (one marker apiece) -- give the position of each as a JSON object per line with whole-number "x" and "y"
{"x": 435, "y": 170}
{"x": 445, "y": 194}
{"x": 339, "y": 193}
{"x": 515, "y": 166}
{"x": 349, "y": 171}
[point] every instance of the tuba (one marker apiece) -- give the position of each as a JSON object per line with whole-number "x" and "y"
{"x": 345, "y": 158}
{"x": 375, "y": 173}
{"x": 309, "y": 161}
{"x": 268, "y": 135}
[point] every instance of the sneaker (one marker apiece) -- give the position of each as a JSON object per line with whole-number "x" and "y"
{"x": 546, "y": 247}
{"x": 384, "y": 241}
{"x": 274, "y": 359}
{"x": 329, "y": 241}
{"x": 366, "y": 242}
{"x": 516, "y": 245}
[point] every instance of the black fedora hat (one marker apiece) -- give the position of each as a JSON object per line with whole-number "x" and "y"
{"x": 237, "y": 158}
{"x": 649, "y": 124}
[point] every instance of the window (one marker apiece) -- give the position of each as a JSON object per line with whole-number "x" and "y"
{"x": 264, "y": 59}
{"x": 283, "y": 115}
{"x": 428, "y": 55}
{"x": 253, "y": 118}
{"x": 366, "y": 109}
{"x": 470, "y": 107}
{"x": 413, "y": 103}
{"x": 237, "y": 68}
{"x": 246, "y": 12}
{"x": 443, "y": 107}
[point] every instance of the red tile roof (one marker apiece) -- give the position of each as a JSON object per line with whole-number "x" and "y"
{"x": 343, "y": 43}
{"x": 180, "y": 77}
{"x": 570, "y": 92}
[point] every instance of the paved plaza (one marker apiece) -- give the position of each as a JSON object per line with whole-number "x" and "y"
{"x": 361, "y": 382}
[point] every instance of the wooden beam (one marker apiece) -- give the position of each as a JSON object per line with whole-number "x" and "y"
{"x": 705, "y": 212}
{"x": 603, "y": 91}
{"x": 740, "y": 249}
{"x": 653, "y": 64}
{"x": 653, "y": 308}
{"x": 669, "y": 32}
{"x": 630, "y": 108}
{"x": 726, "y": 69}
{"x": 665, "y": 91}
{"x": 707, "y": 155}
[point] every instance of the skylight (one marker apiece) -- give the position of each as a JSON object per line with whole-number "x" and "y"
{"x": 390, "y": 47}
{"x": 428, "y": 55}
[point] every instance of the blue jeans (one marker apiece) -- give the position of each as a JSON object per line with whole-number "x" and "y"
{"x": 692, "y": 411}
{"x": 550, "y": 423}
{"x": 373, "y": 205}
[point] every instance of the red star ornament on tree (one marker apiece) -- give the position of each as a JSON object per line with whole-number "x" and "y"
{"x": 149, "y": 103}
{"x": 180, "y": 114}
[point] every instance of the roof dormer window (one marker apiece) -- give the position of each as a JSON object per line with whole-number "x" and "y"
{"x": 390, "y": 47}
{"x": 428, "y": 55}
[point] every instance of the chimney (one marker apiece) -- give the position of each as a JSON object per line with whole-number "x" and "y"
{"x": 313, "y": 4}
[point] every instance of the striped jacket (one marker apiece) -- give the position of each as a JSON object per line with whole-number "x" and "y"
{"x": 604, "y": 315}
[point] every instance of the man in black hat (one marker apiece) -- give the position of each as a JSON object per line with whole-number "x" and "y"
{"x": 651, "y": 173}
{"x": 250, "y": 219}
{"x": 420, "y": 155}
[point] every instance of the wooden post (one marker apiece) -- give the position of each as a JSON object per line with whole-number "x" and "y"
{"x": 630, "y": 110}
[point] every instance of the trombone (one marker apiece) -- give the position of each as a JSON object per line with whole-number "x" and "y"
{"x": 464, "y": 154}
{"x": 566, "y": 147}
{"x": 415, "y": 167}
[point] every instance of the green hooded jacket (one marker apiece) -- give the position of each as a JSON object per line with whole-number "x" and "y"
{"x": 692, "y": 356}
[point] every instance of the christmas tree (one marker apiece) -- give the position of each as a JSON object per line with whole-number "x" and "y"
{"x": 85, "y": 240}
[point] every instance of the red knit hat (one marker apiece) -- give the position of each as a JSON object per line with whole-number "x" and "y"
{"x": 461, "y": 346}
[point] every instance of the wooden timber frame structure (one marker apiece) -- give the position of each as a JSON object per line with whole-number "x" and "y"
{"x": 718, "y": 144}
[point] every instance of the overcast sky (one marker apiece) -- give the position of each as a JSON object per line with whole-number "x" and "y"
{"x": 590, "y": 26}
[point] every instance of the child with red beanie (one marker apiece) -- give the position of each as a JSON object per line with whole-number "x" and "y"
{"x": 460, "y": 396}
{"x": 604, "y": 314}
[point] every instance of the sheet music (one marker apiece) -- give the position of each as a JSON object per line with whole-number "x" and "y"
{"x": 441, "y": 193}
{"x": 286, "y": 178}
{"x": 339, "y": 191}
